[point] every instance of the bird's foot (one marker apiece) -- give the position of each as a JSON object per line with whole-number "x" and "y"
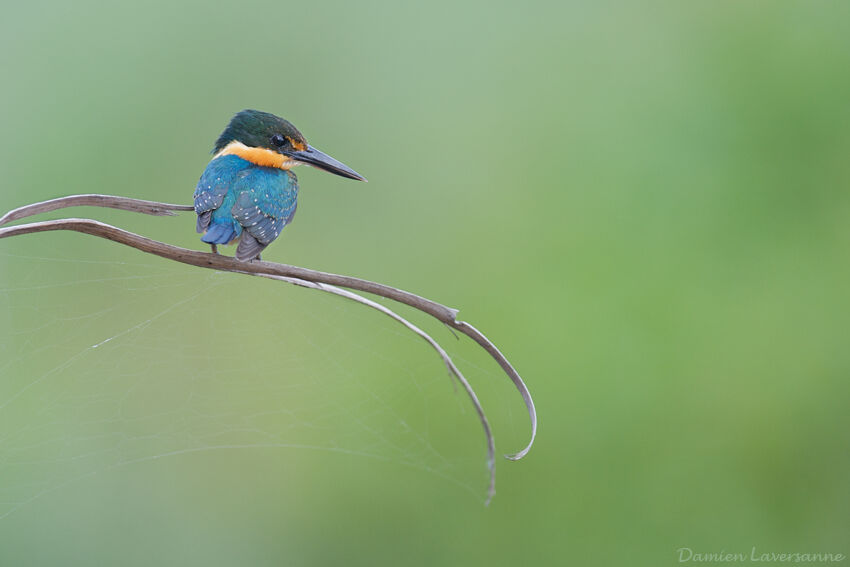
{"x": 214, "y": 248}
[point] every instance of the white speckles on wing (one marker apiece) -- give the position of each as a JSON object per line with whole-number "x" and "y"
{"x": 261, "y": 200}
{"x": 261, "y": 217}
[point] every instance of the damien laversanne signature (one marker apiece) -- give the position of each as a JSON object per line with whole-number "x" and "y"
{"x": 686, "y": 554}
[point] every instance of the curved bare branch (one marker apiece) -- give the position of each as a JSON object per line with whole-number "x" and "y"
{"x": 493, "y": 351}
{"x": 292, "y": 274}
{"x": 92, "y": 200}
{"x": 447, "y": 360}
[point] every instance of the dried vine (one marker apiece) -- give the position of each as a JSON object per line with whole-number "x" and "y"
{"x": 323, "y": 281}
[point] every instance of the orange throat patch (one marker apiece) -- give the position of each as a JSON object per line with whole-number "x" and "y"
{"x": 257, "y": 156}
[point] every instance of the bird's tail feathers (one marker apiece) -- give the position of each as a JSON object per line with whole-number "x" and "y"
{"x": 249, "y": 247}
{"x": 219, "y": 234}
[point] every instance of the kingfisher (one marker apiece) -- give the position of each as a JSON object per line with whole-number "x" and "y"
{"x": 248, "y": 192}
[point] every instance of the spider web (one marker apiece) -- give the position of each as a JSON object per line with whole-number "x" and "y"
{"x": 106, "y": 364}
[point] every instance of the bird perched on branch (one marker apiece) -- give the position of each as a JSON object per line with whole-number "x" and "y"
{"x": 248, "y": 192}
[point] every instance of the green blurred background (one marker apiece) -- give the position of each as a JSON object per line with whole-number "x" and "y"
{"x": 645, "y": 205}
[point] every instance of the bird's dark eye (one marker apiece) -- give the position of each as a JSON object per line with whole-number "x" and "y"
{"x": 278, "y": 140}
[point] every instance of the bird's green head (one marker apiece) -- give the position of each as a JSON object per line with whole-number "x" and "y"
{"x": 270, "y": 141}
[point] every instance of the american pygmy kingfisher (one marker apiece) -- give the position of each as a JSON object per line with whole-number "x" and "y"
{"x": 248, "y": 192}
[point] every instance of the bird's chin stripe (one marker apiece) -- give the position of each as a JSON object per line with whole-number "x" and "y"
{"x": 257, "y": 156}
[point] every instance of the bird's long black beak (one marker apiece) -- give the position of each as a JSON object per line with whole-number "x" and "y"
{"x": 312, "y": 156}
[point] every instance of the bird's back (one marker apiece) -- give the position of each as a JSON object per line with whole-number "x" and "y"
{"x": 236, "y": 199}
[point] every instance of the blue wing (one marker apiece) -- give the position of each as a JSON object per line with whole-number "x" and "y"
{"x": 214, "y": 188}
{"x": 266, "y": 200}
{"x": 236, "y": 198}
